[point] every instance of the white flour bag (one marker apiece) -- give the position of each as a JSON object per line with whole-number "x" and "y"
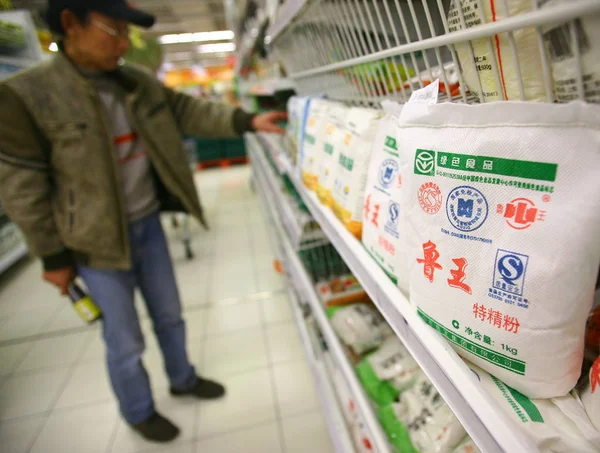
{"x": 352, "y": 167}
{"x": 432, "y": 425}
{"x": 561, "y": 49}
{"x": 381, "y": 223}
{"x": 557, "y": 425}
{"x": 467, "y": 446}
{"x": 360, "y": 327}
{"x": 335, "y": 131}
{"x": 502, "y": 55}
{"x": 314, "y": 132}
{"x": 504, "y": 263}
{"x": 591, "y": 395}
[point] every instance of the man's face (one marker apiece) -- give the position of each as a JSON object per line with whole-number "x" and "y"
{"x": 98, "y": 43}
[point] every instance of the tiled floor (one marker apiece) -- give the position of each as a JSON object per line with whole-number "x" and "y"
{"x": 54, "y": 393}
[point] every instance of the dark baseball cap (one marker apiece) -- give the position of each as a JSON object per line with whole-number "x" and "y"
{"x": 117, "y": 9}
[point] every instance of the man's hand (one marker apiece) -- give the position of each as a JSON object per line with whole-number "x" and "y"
{"x": 267, "y": 122}
{"x": 61, "y": 278}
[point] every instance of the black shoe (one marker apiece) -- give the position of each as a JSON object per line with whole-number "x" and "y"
{"x": 202, "y": 388}
{"x": 157, "y": 428}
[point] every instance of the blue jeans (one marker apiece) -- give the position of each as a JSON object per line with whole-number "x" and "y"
{"x": 113, "y": 292}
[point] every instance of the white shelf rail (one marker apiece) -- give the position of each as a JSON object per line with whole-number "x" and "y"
{"x": 301, "y": 280}
{"x": 489, "y": 427}
{"x": 363, "y": 51}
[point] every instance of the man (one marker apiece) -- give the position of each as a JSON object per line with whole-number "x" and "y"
{"x": 90, "y": 152}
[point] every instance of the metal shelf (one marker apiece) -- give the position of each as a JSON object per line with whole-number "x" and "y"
{"x": 266, "y": 183}
{"x": 489, "y": 427}
{"x": 10, "y": 258}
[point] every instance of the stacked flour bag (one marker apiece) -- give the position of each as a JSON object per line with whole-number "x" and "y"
{"x": 387, "y": 372}
{"x": 590, "y": 396}
{"x": 557, "y": 425}
{"x": 504, "y": 264}
{"x": 498, "y": 51}
{"x": 381, "y": 233}
{"x": 314, "y": 134}
{"x": 421, "y": 421}
{"x": 352, "y": 166}
{"x": 561, "y": 49}
{"x": 335, "y": 131}
{"x": 360, "y": 327}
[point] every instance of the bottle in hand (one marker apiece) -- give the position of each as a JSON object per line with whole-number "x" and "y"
{"x": 83, "y": 304}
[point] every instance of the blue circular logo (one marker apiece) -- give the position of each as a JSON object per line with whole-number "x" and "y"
{"x": 511, "y": 268}
{"x": 466, "y": 208}
{"x": 387, "y": 172}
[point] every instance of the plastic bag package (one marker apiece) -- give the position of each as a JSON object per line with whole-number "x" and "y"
{"x": 504, "y": 263}
{"x": 565, "y": 69}
{"x": 388, "y": 371}
{"x": 335, "y": 131}
{"x": 558, "y": 425}
{"x": 297, "y": 112}
{"x": 352, "y": 166}
{"x": 467, "y": 446}
{"x": 498, "y": 50}
{"x": 381, "y": 235}
{"x": 431, "y": 425}
{"x": 360, "y": 327}
{"x": 314, "y": 132}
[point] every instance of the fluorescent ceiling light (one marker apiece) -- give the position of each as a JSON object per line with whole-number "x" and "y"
{"x": 206, "y": 36}
{"x": 215, "y": 48}
{"x": 53, "y": 47}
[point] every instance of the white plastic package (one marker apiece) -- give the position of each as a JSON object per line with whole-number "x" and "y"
{"x": 314, "y": 133}
{"x": 561, "y": 49}
{"x": 381, "y": 236}
{"x": 360, "y": 327}
{"x": 467, "y": 446}
{"x": 557, "y": 425}
{"x": 504, "y": 263}
{"x": 352, "y": 166}
{"x": 432, "y": 426}
{"x": 335, "y": 131}
{"x": 392, "y": 362}
{"x": 498, "y": 51}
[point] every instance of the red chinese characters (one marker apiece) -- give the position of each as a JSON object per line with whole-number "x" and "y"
{"x": 496, "y": 318}
{"x": 458, "y": 275}
{"x": 429, "y": 260}
{"x": 521, "y": 213}
{"x": 373, "y": 211}
{"x": 387, "y": 245}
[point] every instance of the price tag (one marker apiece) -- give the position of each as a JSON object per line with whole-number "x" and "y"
{"x": 427, "y": 95}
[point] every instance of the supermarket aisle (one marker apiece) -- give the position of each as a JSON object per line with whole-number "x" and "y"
{"x": 54, "y": 395}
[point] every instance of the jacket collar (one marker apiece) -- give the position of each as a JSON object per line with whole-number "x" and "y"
{"x": 67, "y": 69}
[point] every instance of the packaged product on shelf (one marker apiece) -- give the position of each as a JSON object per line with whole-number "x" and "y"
{"x": 431, "y": 425}
{"x": 557, "y": 425}
{"x": 349, "y": 410}
{"x": 395, "y": 429}
{"x": 360, "y": 327}
{"x": 313, "y": 140}
{"x": 504, "y": 263}
{"x": 342, "y": 290}
{"x": 590, "y": 396}
{"x": 388, "y": 371}
{"x": 297, "y": 111}
{"x": 352, "y": 167}
{"x": 335, "y": 131}
{"x": 360, "y": 436}
{"x": 561, "y": 49}
{"x": 497, "y": 51}
{"x": 467, "y": 446}
{"x": 381, "y": 235}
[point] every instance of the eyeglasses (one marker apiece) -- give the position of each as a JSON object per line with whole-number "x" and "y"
{"x": 115, "y": 33}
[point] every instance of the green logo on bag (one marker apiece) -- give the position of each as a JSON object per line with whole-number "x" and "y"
{"x": 425, "y": 162}
{"x": 390, "y": 142}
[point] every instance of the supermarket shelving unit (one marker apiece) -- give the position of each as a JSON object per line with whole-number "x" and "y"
{"x": 270, "y": 193}
{"x": 18, "y": 59}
